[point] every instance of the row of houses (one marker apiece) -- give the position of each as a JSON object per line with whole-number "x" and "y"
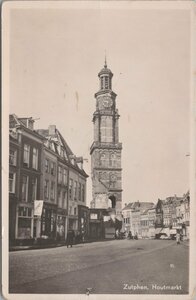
{"x": 43, "y": 167}
{"x": 149, "y": 220}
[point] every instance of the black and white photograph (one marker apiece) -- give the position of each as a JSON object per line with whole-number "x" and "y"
{"x": 98, "y": 145}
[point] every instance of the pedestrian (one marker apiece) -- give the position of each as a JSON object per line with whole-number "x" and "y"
{"x": 130, "y": 235}
{"x": 70, "y": 238}
{"x": 178, "y": 238}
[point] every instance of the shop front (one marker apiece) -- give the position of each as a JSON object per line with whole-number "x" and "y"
{"x": 24, "y": 224}
{"x": 83, "y": 222}
{"x": 48, "y": 220}
{"x": 61, "y": 224}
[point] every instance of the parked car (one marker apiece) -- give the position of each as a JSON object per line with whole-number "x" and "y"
{"x": 164, "y": 236}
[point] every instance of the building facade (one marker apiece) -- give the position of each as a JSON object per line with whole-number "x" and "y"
{"x": 30, "y": 146}
{"x": 106, "y": 149}
{"x": 41, "y": 167}
{"x": 70, "y": 185}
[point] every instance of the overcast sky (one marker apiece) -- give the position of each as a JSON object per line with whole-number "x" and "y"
{"x": 55, "y": 56}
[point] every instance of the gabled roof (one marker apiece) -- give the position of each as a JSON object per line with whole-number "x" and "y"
{"x": 139, "y": 205}
{"x": 58, "y": 139}
{"x": 15, "y": 122}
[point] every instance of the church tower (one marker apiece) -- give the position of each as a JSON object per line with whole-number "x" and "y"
{"x": 106, "y": 150}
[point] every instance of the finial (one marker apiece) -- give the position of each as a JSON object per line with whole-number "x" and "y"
{"x": 105, "y": 66}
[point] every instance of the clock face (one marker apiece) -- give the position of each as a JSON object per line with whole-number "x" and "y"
{"x": 107, "y": 102}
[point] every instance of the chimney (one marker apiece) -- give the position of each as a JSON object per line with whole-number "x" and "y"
{"x": 79, "y": 161}
{"x": 73, "y": 159}
{"x": 52, "y": 129}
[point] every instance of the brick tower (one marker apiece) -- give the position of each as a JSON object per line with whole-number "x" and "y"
{"x": 106, "y": 150}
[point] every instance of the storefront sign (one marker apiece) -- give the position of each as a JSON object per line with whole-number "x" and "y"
{"x": 106, "y": 218}
{"x": 93, "y": 216}
{"x": 38, "y": 206}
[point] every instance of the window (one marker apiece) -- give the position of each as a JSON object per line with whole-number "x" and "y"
{"x": 25, "y": 180}
{"x": 26, "y": 155}
{"x": 60, "y": 174}
{"x": 103, "y": 159}
{"x": 52, "y": 190}
{"x": 70, "y": 188}
{"x": 70, "y": 210}
{"x": 83, "y": 194}
{"x": 64, "y": 176}
{"x": 52, "y": 168}
{"x": 24, "y": 222}
{"x": 35, "y": 159}
{"x": 106, "y": 82}
{"x": 75, "y": 190}
{"x": 12, "y": 182}
{"x": 24, "y": 212}
{"x": 46, "y": 189}
{"x": 59, "y": 198}
{"x": 46, "y": 165}
{"x": 113, "y": 160}
{"x": 101, "y": 83}
{"x": 64, "y": 199}
{"x": 12, "y": 157}
{"x": 79, "y": 192}
{"x": 34, "y": 189}
{"x": 75, "y": 211}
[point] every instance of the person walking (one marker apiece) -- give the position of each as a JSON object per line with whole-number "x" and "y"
{"x": 70, "y": 238}
{"x": 178, "y": 238}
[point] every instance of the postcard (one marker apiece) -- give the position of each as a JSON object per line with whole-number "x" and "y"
{"x": 98, "y": 144}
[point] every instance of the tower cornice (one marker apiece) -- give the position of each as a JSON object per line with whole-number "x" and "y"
{"x": 103, "y": 92}
{"x": 99, "y": 145}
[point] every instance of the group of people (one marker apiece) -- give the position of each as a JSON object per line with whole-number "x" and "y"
{"x": 73, "y": 237}
{"x": 128, "y": 235}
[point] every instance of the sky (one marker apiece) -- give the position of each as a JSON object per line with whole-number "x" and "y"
{"x": 55, "y": 57}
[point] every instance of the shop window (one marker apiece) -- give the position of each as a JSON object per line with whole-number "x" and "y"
{"x": 35, "y": 159}
{"x": 12, "y": 157}
{"x": 26, "y": 155}
{"x": 12, "y": 182}
{"x": 25, "y": 180}
{"x": 24, "y": 222}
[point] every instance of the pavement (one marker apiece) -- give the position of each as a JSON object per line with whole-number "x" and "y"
{"x": 111, "y": 267}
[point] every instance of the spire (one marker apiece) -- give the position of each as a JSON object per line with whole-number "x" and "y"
{"x": 105, "y": 65}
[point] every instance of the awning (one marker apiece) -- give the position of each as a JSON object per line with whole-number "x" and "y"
{"x": 172, "y": 231}
{"x": 158, "y": 230}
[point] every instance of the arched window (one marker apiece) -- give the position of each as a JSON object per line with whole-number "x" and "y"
{"x": 103, "y": 159}
{"x": 112, "y": 202}
{"x": 112, "y": 160}
{"x": 113, "y": 179}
